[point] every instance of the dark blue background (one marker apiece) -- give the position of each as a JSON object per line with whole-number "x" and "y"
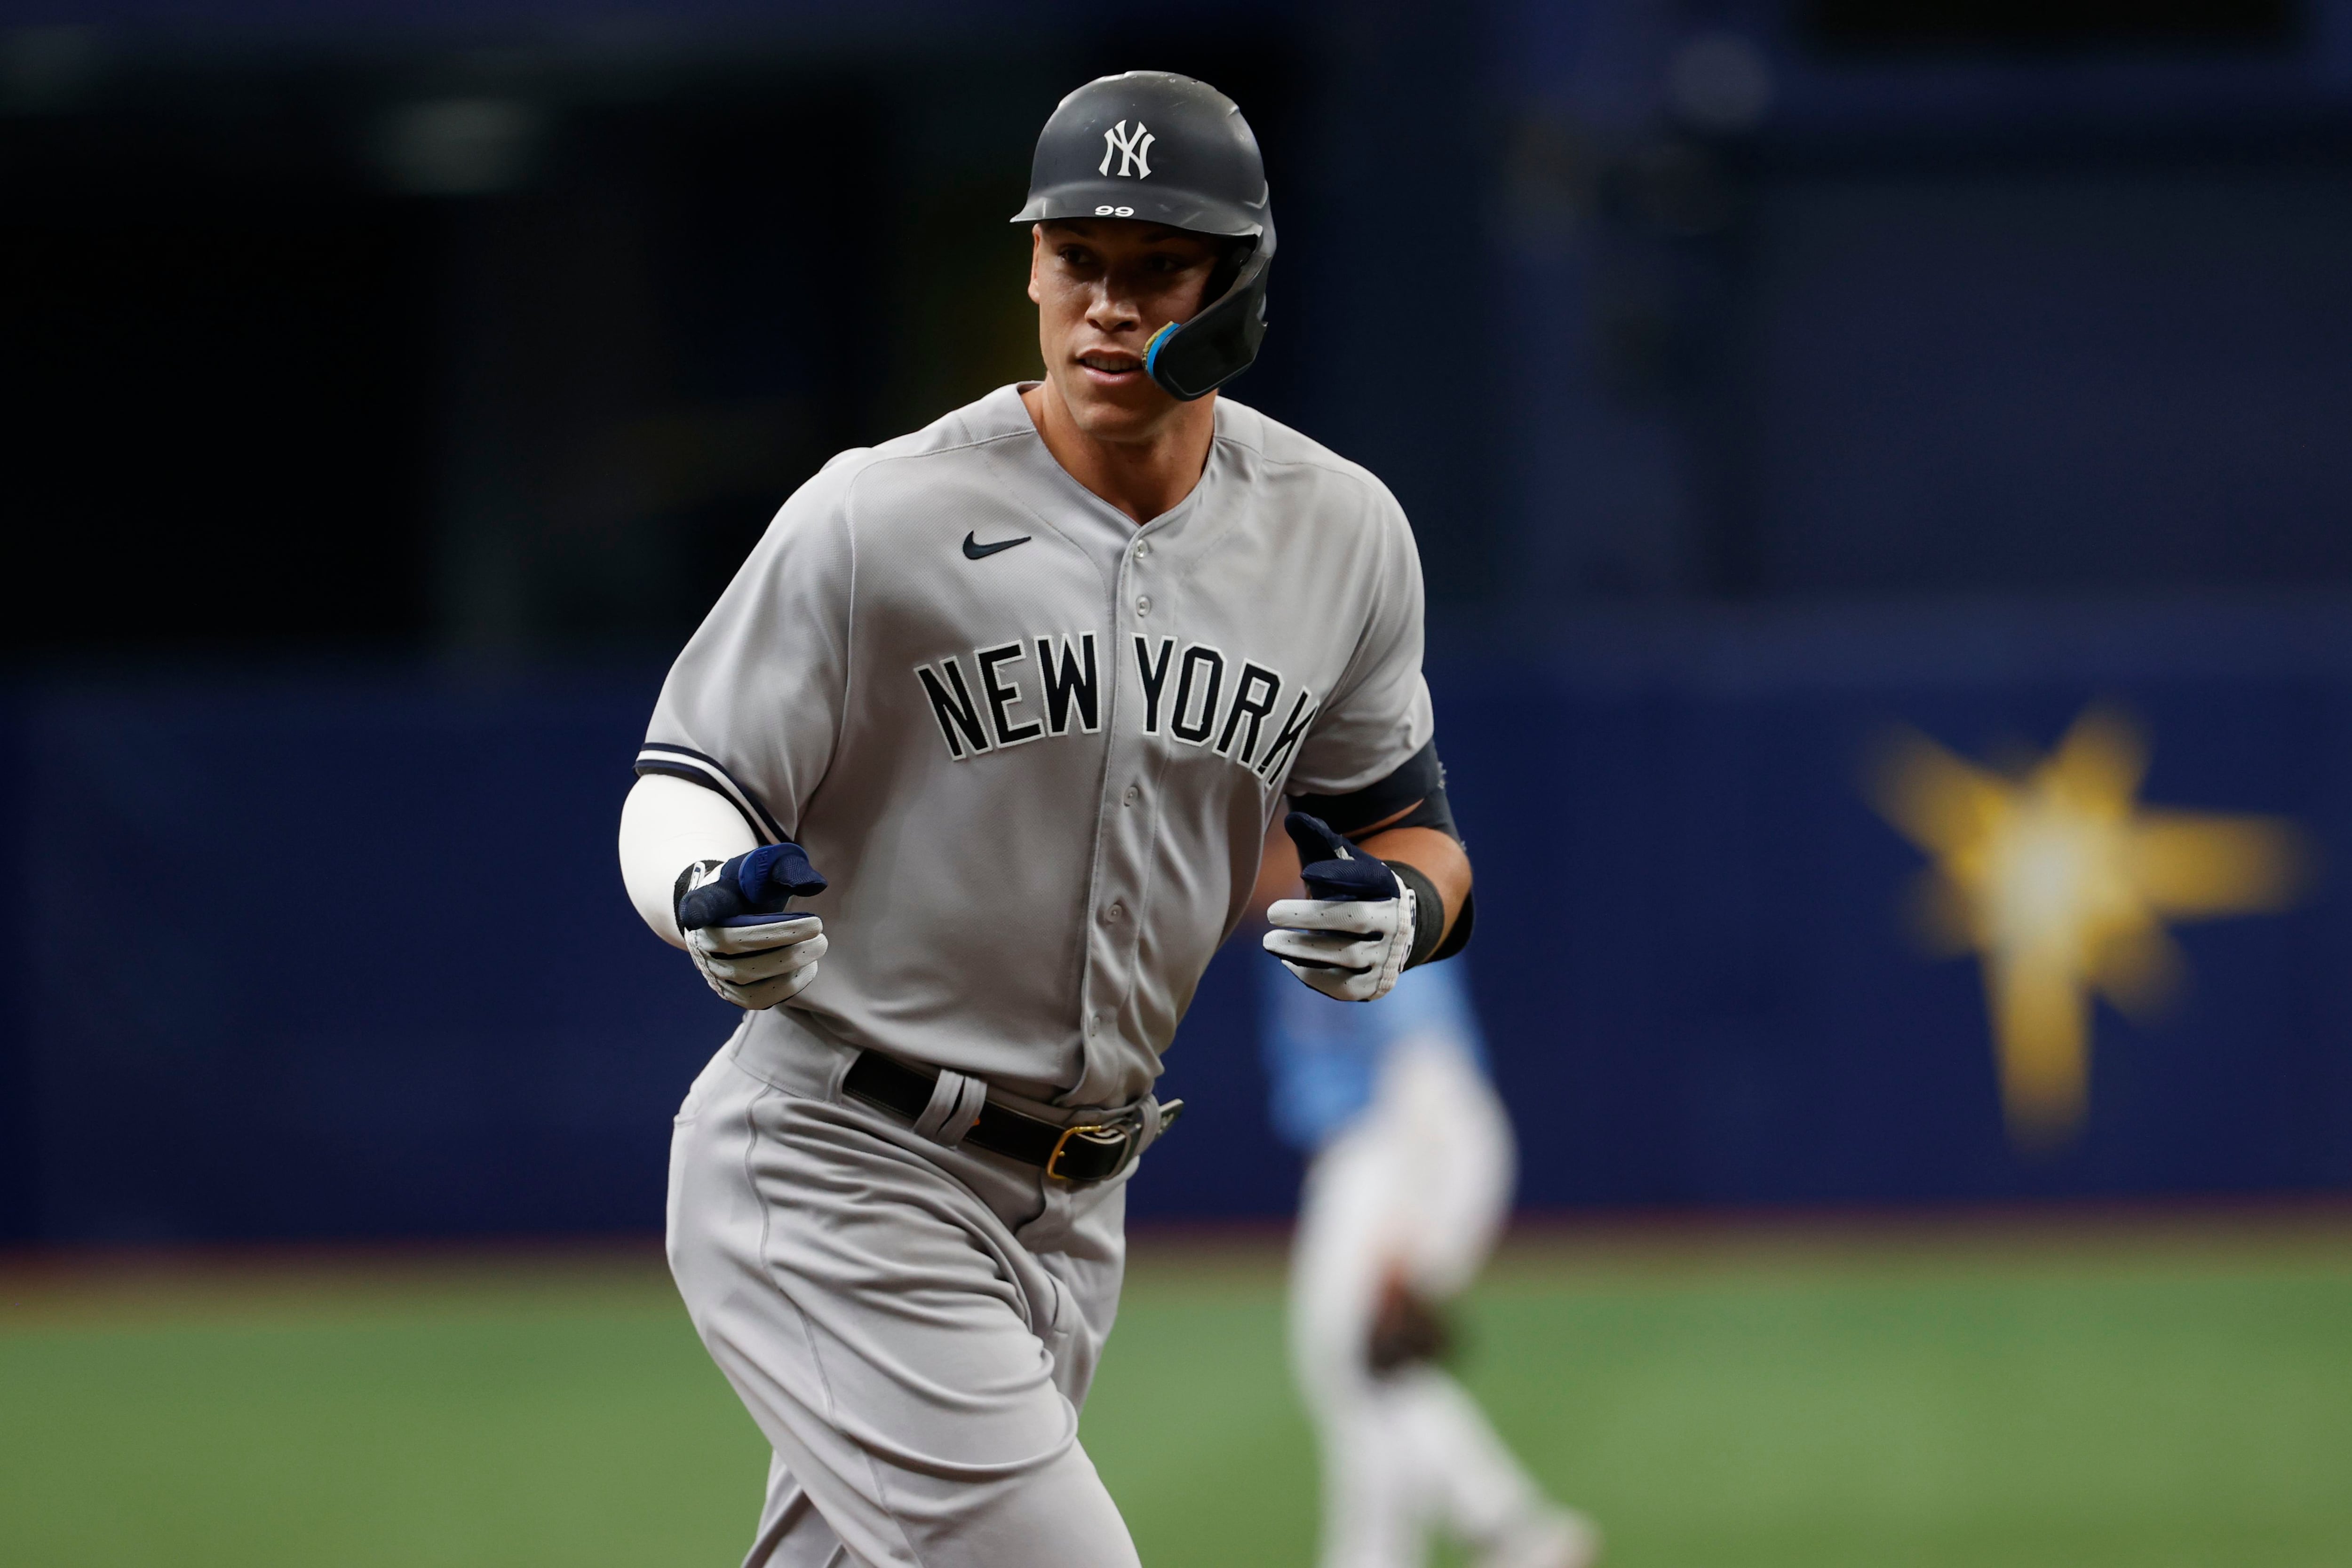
{"x": 347, "y": 954}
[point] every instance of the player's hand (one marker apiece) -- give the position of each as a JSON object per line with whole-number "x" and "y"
{"x": 752, "y": 950}
{"x": 1351, "y": 938}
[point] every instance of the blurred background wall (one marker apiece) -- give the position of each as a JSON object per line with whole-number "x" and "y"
{"x": 390, "y": 386}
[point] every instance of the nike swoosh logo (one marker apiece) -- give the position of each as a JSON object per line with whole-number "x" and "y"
{"x": 974, "y": 551}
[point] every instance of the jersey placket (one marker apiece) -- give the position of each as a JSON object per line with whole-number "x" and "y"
{"x": 1125, "y": 833}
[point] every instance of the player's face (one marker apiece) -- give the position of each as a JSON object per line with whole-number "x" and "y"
{"x": 1103, "y": 286}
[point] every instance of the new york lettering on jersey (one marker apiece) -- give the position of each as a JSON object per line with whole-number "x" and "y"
{"x": 976, "y": 715}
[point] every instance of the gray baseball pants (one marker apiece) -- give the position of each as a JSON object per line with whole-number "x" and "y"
{"x": 913, "y": 1326}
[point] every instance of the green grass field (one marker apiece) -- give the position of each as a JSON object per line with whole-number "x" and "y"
{"x": 2066, "y": 1396}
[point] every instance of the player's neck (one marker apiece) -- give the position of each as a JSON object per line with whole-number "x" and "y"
{"x": 1141, "y": 479}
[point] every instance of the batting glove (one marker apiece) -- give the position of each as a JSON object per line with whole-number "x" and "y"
{"x": 732, "y": 915}
{"x": 1351, "y": 938}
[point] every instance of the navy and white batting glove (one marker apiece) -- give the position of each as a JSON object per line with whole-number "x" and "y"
{"x": 751, "y": 950}
{"x": 1351, "y": 937}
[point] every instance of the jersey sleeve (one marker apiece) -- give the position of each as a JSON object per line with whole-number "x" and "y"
{"x": 752, "y": 707}
{"x": 1378, "y": 716}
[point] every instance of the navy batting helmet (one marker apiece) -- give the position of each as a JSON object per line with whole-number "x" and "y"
{"x": 1168, "y": 150}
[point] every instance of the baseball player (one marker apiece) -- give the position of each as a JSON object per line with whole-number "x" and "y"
{"x": 1409, "y": 1181}
{"x": 955, "y": 792}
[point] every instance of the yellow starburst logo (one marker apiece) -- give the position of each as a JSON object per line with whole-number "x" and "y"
{"x": 2061, "y": 882}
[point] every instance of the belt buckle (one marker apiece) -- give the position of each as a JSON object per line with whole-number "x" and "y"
{"x": 1101, "y": 1134}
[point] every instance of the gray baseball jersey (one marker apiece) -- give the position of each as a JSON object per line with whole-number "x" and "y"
{"x": 1034, "y": 748}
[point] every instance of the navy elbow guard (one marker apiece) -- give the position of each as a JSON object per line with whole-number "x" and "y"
{"x": 1411, "y": 796}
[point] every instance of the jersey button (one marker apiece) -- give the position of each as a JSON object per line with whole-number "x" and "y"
{"x": 1115, "y": 913}
{"x": 1142, "y": 550}
{"x": 1143, "y": 604}
{"x": 1134, "y": 793}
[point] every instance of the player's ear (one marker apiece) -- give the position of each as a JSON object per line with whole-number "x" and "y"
{"x": 1036, "y": 259}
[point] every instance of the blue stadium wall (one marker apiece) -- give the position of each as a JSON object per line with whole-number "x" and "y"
{"x": 318, "y": 957}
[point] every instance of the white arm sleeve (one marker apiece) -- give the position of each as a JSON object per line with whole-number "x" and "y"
{"x": 667, "y": 825}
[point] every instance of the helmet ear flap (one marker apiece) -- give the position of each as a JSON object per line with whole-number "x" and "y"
{"x": 1234, "y": 257}
{"x": 1195, "y": 360}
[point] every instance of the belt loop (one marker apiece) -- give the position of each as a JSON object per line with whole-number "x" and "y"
{"x": 954, "y": 1107}
{"x": 1148, "y": 1125}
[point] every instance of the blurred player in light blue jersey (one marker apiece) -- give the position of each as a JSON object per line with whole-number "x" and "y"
{"x": 1412, "y": 1165}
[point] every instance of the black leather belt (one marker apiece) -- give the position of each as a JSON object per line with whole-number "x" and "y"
{"x": 1087, "y": 1152}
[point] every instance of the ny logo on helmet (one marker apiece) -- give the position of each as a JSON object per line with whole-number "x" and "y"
{"x": 1133, "y": 147}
